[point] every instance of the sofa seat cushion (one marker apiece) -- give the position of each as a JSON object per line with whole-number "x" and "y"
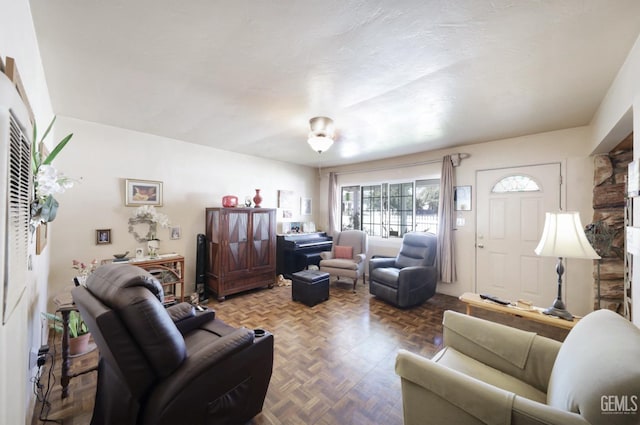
{"x": 339, "y": 263}
{"x": 462, "y": 363}
{"x": 386, "y": 275}
{"x": 598, "y": 363}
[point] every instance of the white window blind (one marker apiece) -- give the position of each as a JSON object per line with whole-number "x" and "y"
{"x": 16, "y": 240}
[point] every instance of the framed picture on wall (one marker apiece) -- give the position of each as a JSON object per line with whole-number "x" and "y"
{"x": 143, "y": 192}
{"x": 41, "y": 238}
{"x": 176, "y": 232}
{"x": 285, "y": 199}
{"x": 462, "y": 198}
{"x": 103, "y": 236}
{"x": 305, "y": 206}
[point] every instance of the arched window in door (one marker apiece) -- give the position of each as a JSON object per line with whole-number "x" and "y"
{"x": 516, "y": 183}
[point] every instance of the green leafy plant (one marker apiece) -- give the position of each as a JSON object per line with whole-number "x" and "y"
{"x": 77, "y": 326}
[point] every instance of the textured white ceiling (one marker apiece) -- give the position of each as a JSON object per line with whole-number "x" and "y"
{"x": 396, "y": 76}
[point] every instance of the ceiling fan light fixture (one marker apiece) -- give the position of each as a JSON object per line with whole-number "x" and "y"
{"x": 321, "y": 135}
{"x": 320, "y": 143}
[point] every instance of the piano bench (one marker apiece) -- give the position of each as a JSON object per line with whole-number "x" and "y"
{"x": 310, "y": 258}
{"x": 310, "y": 287}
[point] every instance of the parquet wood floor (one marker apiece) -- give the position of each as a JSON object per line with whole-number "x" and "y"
{"x": 333, "y": 363}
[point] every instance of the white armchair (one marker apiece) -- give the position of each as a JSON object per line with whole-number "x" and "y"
{"x": 494, "y": 374}
{"x": 347, "y": 256}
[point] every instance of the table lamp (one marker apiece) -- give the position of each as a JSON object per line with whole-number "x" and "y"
{"x": 563, "y": 237}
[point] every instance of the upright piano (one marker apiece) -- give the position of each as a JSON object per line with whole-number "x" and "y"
{"x": 295, "y": 252}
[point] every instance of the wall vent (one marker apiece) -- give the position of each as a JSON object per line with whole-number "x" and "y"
{"x": 15, "y": 194}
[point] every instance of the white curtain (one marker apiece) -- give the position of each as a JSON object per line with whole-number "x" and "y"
{"x": 446, "y": 221}
{"x": 333, "y": 204}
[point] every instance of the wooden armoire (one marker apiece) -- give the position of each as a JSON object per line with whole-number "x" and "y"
{"x": 241, "y": 249}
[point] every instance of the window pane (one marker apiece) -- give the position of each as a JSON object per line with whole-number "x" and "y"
{"x": 350, "y": 208}
{"x": 391, "y": 210}
{"x": 372, "y": 210}
{"x": 400, "y": 209}
{"x": 427, "y": 198}
{"x": 517, "y": 183}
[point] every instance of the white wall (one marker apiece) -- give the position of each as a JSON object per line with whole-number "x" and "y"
{"x": 23, "y": 331}
{"x": 194, "y": 177}
{"x": 570, "y": 147}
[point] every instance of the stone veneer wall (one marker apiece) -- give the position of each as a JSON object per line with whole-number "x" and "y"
{"x": 609, "y": 204}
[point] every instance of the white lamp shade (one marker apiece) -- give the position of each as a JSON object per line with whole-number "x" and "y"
{"x": 320, "y": 143}
{"x": 563, "y": 236}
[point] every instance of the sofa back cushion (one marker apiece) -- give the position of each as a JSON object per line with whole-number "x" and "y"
{"x": 597, "y": 371}
{"x": 418, "y": 249}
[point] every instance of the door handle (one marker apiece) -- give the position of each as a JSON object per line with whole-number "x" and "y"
{"x": 480, "y": 245}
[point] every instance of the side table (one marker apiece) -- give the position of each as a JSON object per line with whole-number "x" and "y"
{"x": 535, "y": 313}
{"x": 65, "y": 306}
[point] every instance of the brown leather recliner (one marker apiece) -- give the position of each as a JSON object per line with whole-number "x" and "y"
{"x": 168, "y": 366}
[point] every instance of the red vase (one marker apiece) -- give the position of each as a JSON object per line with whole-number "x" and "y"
{"x": 257, "y": 199}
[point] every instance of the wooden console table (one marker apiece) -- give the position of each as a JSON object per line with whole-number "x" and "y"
{"x": 168, "y": 269}
{"x": 535, "y": 313}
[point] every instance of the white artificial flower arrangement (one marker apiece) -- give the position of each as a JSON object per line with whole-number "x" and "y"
{"x": 147, "y": 214}
{"x": 50, "y": 181}
{"x": 47, "y": 181}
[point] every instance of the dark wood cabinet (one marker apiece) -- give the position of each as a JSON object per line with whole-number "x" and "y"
{"x": 241, "y": 249}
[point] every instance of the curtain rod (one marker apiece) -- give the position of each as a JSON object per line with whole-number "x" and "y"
{"x": 456, "y": 158}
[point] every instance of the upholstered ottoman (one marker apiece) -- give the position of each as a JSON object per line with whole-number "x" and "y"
{"x": 310, "y": 287}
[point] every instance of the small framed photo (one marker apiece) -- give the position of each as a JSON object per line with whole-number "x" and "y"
{"x": 305, "y": 206}
{"x": 41, "y": 238}
{"x": 103, "y": 236}
{"x": 462, "y": 198}
{"x": 143, "y": 192}
{"x": 176, "y": 232}
{"x": 139, "y": 253}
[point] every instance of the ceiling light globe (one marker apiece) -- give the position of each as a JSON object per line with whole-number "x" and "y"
{"x": 320, "y": 143}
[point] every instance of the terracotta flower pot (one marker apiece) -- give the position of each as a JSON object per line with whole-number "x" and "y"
{"x": 79, "y": 344}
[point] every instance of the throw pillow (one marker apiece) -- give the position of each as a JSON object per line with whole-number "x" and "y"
{"x": 343, "y": 252}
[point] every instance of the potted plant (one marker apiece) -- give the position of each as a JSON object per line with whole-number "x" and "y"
{"x": 78, "y": 332}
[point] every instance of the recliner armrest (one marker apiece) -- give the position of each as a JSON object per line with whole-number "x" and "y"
{"x": 187, "y": 325}
{"x": 453, "y": 389}
{"x": 524, "y": 355}
{"x": 186, "y": 318}
{"x": 181, "y": 311}
{"x": 435, "y": 394}
{"x": 414, "y": 276}
{"x": 375, "y": 263}
{"x": 237, "y": 349}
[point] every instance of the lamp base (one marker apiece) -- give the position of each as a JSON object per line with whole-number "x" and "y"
{"x": 559, "y": 312}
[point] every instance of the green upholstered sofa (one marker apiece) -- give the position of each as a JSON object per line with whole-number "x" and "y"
{"x": 488, "y": 373}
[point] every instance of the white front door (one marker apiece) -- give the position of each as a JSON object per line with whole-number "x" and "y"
{"x": 511, "y": 206}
